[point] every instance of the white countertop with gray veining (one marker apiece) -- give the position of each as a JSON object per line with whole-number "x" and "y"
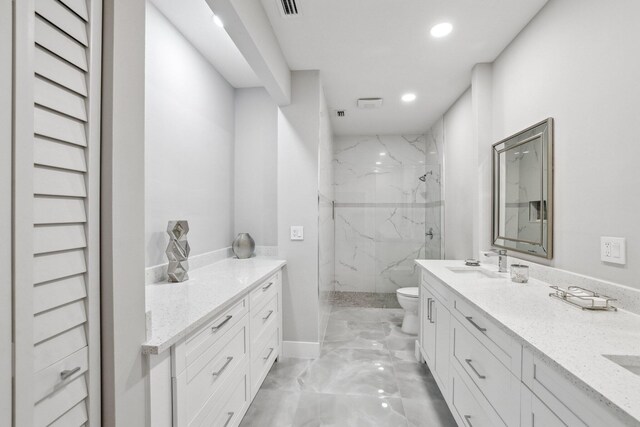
{"x": 179, "y": 308}
{"x": 566, "y": 337}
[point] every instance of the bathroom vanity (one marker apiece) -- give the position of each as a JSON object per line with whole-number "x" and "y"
{"x": 506, "y": 354}
{"x": 212, "y": 341}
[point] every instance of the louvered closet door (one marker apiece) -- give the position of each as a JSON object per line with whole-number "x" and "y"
{"x": 57, "y": 194}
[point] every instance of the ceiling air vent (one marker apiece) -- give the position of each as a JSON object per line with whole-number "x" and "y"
{"x": 369, "y": 102}
{"x": 289, "y": 8}
{"x": 340, "y": 113}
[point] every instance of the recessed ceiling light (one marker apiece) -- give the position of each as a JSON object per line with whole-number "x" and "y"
{"x": 383, "y": 154}
{"x": 218, "y": 21}
{"x": 409, "y": 97}
{"x": 441, "y": 29}
{"x": 378, "y": 163}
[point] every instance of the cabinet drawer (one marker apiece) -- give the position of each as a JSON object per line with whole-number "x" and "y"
{"x": 491, "y": 377}
{"x": 504, "y": 347}
{"x": 468, "y": 409}
{"x": 227, "y": 407}
{"x": 200, "y": 341}
{"x": 207, "y": 374}
{"x": 60, "y": 374}
{"x": 265, "y": 291}
{"x": 265, "y": 353}
{"x": 262, "y": 319}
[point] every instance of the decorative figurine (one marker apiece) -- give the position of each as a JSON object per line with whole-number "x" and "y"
{"x": 178, "y": 251}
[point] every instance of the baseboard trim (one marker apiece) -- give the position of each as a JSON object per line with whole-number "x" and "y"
{"x": 301, "y": 349}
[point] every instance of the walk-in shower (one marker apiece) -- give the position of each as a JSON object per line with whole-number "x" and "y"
{"x": 388, "y": 210}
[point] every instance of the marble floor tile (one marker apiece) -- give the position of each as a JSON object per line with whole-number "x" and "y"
{"x": 283, "y": 375}
{"x": 415, "y": 381}
{"x": 343, "y": 330}
{"x": 397, "y": 340}
{"x": 431, "y": 413}
{"x": 271, "y": 408}
{"x": 316, "y": 410}
{"x": 403, "y": 356}
{"x": 366, "y": 375}
{"x": 353, "y": 372}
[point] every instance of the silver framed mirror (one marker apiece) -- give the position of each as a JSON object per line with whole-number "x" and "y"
{"x": 522, "y": 191}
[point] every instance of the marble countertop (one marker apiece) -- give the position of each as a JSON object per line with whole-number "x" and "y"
{"x": 179, "y": 308}
{"x": 572, "y": 340}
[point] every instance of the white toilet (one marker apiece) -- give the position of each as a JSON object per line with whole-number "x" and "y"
{"x": 408, "y": 299}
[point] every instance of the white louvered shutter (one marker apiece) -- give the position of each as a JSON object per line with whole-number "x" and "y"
{"x": 57, "y": 196}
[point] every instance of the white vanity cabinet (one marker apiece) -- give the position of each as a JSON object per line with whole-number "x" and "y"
{"x": 485, "y": 375}
{"x": 209, "y": 377}
{"x": 435, "y": 321}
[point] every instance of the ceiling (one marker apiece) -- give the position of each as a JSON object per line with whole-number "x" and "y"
{"x": 194, "y": 19}
{"x": 382, "y": 48}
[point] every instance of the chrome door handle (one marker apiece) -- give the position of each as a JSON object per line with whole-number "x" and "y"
{"x": 264, "y": 288}
{"x": 475, "y": 371}
{"x": 68, "y": 372}
{"x": 230, "y": 416}
{"x": 431, "y": 310}
{"x": 229, "y": 359}
{"x": 467, "y": 418}
{"x": 470, "y": 319}
{"x": 268, "y": 315}
{"x": 215, "y": 328}
{"x": 268, "y": 355}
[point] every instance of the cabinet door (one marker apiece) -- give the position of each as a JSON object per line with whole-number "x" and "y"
{"x": 442, "y": 318}
{"x": 428, "y": 338}
{"x": 56, "y": 159}
{"x": 536, "y": 414}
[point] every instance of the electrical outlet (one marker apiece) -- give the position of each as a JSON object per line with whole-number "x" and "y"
{"x": 613, "y": 250}
{"x": 297, "y": 232}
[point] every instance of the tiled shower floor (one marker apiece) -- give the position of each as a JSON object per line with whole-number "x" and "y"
{"x": 366, "y": 375}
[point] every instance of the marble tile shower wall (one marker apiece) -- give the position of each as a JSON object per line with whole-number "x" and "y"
{"x": 383, "y": 209}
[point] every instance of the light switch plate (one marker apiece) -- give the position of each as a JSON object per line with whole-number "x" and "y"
{"x": 297, "y": 232}
{"x": 613, "y": 250}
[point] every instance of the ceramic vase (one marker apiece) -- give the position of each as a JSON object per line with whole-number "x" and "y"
{"x": 244, "y": 246}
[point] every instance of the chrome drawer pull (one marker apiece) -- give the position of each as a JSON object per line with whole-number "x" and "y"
{"x": 215, "y": 328}
{"x": 470, "y": 319}
{"x": 268, "y": 315}
{"x": 68, "y": 372}
{"x": 482, "y": 377}
{"x": 230, "y": 415}
{"x": 229, "y": 359}
{"x": 264, "y": 288}
{"x": 467, "y": 418}
{"x": 268, "y": 355}
{"x": 431, "y": 311}
{"x": 429, "y": 308}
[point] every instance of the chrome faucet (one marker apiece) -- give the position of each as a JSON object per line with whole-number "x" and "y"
{"x": 502, "y": 259}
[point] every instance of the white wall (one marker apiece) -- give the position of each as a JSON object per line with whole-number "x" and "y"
{"x": 256, "y": 163}
{"x": 122, "y": 215}
{"x": 459, "y": 172}
{"x": 326, "y": 223}
{"x": 189, "y": 137}
{"x": 6, "y": 64}
{"x": 575, "y": 62}
{"x": 298, "y": 139}
{"x": 578, "y": 62}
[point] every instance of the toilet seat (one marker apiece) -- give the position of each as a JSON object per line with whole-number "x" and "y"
{"x": 408, "y": 292}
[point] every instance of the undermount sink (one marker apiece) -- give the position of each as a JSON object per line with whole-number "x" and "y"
{"x": 474, "y": 272}
{"x": 630, "y": 363}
